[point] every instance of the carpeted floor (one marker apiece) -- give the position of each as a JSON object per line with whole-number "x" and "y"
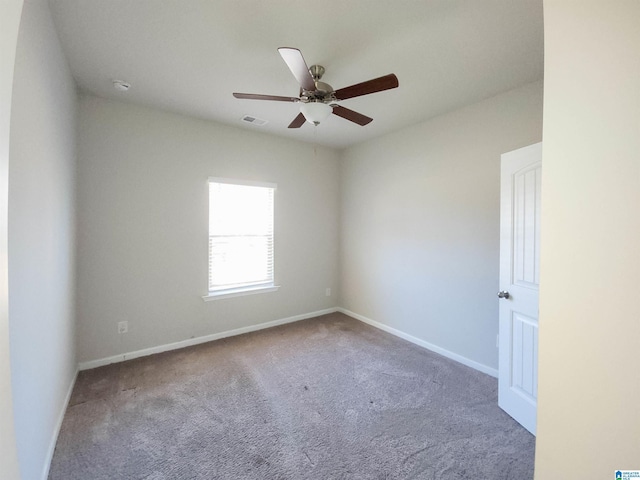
{"x": 326, "y": 398}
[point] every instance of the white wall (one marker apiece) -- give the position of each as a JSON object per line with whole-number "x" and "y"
{"x": 41, "y": 238}
{"x": 10, "y": 12}
{"x": 589, "y": 387}
{"x": 143, "y": 233}
{"x": 420, "y": 223}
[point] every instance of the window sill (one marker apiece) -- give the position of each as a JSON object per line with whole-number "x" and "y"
{"x": 239, "y": 292}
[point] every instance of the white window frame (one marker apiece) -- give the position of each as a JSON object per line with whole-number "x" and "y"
{"x": 263, "y": 287}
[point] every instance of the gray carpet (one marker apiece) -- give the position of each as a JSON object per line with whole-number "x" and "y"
{"x": 326, "y": 398}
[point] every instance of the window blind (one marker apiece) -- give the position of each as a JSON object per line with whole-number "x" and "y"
{"x": 240, "y": 235}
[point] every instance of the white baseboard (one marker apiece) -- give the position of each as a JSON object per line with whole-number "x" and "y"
{"x": 429, "y": 346}
{"x": 196, "y": 341}
{"x": 252, "y": 328}
{"x": 56, "y": 431}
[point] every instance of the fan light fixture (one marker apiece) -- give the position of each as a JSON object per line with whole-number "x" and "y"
{"x": 316, "y": 112}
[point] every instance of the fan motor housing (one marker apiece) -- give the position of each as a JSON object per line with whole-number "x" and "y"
{"x": 323, "y": 90}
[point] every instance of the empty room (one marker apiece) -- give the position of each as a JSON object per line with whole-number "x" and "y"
{"x": 301, "y": 240}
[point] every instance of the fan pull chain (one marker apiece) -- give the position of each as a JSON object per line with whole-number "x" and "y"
{"x": 315, "y": 142}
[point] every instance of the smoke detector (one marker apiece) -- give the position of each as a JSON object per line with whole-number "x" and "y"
{"x": 121, "y": 86}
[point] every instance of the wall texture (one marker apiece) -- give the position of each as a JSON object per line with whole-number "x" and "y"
{"x": 143, "y": 213}
{"x": 589, "y": 386}
{"x": 41, "y": 238}
{"x": 10, "y": 12}
{"x": 420, "y": 223}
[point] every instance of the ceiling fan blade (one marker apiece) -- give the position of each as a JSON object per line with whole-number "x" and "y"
{"x": 371, "y": 86}
{"x": 254, "y": 96}
{"x": 294, "y": 60}
{"x": 351, "y": 115}
{"x": 298, "y": 121}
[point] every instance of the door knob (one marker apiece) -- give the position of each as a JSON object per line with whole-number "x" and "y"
{"x": 503, "y": 294}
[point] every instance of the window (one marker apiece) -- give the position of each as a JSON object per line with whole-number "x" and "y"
{"x": 240, "y": 237}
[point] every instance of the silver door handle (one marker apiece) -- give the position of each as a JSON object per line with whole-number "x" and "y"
{"x": 504, "y": 294}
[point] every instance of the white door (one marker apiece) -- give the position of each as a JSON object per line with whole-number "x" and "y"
{"x": 519, "y": 283}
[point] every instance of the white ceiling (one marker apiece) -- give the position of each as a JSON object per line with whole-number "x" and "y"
{"x": 188, "y": 56}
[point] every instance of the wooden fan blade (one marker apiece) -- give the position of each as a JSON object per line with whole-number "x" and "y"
{"x": 295, "y": 61}
{"x": 298, "y": 121}
{"x": 351, "y": 115}
{"x": 255, "y": 96}
{"x": 371, "y": 86}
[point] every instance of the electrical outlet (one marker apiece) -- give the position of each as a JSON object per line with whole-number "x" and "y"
{"x": 327, "y": 292}
{"x": 123, "y": 327}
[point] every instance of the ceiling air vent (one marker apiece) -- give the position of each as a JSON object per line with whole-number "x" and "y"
{"x": 258, "y": 122}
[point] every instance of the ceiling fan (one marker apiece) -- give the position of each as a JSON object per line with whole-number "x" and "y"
{"x": 318, "y": 99}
